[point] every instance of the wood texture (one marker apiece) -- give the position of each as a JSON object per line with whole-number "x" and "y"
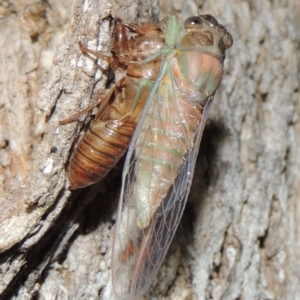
{"x": 239, "y": 237}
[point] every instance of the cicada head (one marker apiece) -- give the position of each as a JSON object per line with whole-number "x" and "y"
{"x": 205, "y": 31}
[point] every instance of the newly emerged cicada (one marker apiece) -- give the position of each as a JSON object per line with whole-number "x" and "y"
{"x": 161, "y": 158}
{"x": 110, "y": 134}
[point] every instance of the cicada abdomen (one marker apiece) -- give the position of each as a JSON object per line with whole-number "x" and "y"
{"x": 110, "y": 134}
{"x": 160, "y": 164}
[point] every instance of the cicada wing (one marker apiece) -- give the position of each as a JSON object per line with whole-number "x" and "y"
{"x": 159, "y": 235}
{"x": 127, "y": 235}
{"x": 138, "y": 254}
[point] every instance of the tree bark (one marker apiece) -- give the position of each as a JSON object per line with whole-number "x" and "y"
{"x": 238, "y": 238}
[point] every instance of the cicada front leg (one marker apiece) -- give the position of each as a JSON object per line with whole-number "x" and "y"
{"x": 113, "y": 63}
{"x": 102, "y": 99}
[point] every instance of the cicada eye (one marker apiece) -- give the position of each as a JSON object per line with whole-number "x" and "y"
{"x": 193, "y": 22}
{"x": 227, "y": 40}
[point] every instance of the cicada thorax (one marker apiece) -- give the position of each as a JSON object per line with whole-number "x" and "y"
{"x": 109, "y": 135}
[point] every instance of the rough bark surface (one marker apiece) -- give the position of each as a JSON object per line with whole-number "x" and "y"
{"x": 239, "y": 236}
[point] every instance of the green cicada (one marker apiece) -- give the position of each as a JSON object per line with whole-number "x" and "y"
{"x": 161, "y": 158}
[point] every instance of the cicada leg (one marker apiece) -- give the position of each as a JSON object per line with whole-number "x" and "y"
{"x": 110, "y": 59}
{"x": 101, "y": 101}
{"x": 130, "y": 249}
{"x": 128, "y": 252}
{"x": 143, "y": 28}
{"x": 76, "y": 116}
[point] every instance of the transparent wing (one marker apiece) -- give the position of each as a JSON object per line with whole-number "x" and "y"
{"x": 138, "y": 251}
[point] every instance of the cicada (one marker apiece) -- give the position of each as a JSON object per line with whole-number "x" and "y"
{"x": 110, "y": 134}
{"x": 161, "y": 158}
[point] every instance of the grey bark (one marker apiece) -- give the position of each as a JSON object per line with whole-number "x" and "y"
{"x": 239, "y": 236}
